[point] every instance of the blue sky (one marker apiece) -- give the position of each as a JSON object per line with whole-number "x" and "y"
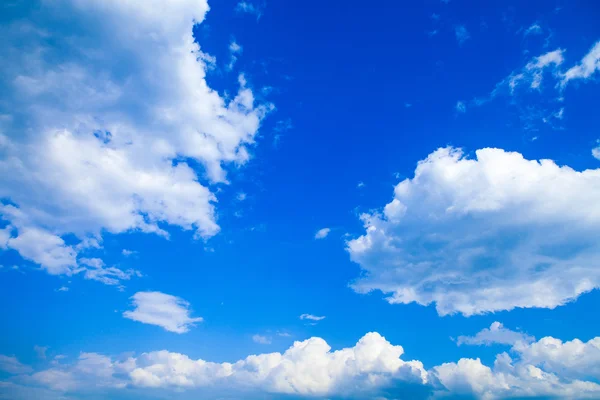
{"x": 245, "y": 199}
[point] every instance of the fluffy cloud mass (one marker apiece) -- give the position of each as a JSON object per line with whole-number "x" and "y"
{"x": 110, "y": 119}
{"x": 169, "y": 312}
{"x": 372, "y": 368}
{"x": 485, "y": 234}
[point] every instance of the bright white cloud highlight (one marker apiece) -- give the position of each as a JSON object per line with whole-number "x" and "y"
{"x": 169, "y": 312}
{"x": 322, "y": 233}
{"x": 495, "y": 334}
{"x": 486, "y": 234}
{"x": 105, "y": 121}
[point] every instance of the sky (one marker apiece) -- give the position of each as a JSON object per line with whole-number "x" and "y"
{"x": 288, "y": 200}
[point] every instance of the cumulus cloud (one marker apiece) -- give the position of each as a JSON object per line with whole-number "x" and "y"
{"x": 373, "y": 368}
{"x": 169, "y": 312}
{"x": 495, "y": 334}
{"x": 486, "y": 234}
{"x": 548, "y": 367}
{"x": 106, "y": 122}
{"x": 311, "y": 317}
{"x": 322, "y": 233}
{"x": 308, "y": 368}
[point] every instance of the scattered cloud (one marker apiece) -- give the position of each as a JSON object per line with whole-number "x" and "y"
{"x": 250, "y": 8}
{"x": 40, "y": 351}
{"x": 474, "y": 238}
{"x": 96, "y": 271}
{"x": 534, "y": 29}
{"x": 128, "y": 253}
{"x": 461, "y": 107}
{"x": 12, "y": 366}
{"x": 169, "y": 312}
{"x": 109, "y": 151}
{"x": 461, "y": 33}
{"x": 495, "y": 334}
{"x": 360, "y": 185}
{"x": 241, "y": 196}
{"x": 261, "y": 339}
{"x": 311, "y": 317}
{"x": 63, "y": 289}
{"x": 234, "y": 51}
{"x": 322, "y": 233}
{"x": 543, "y": 75}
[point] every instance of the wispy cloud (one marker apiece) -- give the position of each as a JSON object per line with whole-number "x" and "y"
{"x": 250, "y": 8}
{"x": 461, "y": 33}
{"x": 311, "y": 317}
{"x": 261, "y": 339}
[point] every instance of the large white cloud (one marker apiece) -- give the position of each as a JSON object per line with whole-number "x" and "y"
{"x": 373, "y": 368}
{"x": 546, "y": 368}
{"x": 485, "y": 234}
{"x": 106, "y": 121}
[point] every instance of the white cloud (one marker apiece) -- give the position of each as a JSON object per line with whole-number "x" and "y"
{"x": 261, "y": 339}
{"x": 128, "y": 253}
{"x": 322, "y": 233}
{"x": 103, "y": 123}
{"x": 311, "y": 317}
{"x": 482, "y": 235}
{"x": 169, "y": 312}
{"x": 546, "y": 76}
{"x": 461, "y": 107}
{"x": 234, "y": 50}
{"x": 373, "y": 368}
{"x": 596, "y": 151}
{"x": 13, "y": 366}
{"x": 589, "y": 64}
{"x": 63, "y": 289}
{"x": 461, "y": 33}
{"x": 534, "y": 29}
{"x": 360, "y": 185}
{"x": 495, "y": 334}
{"x": 96, "y": 271}
{"x": 574, "y": 359}
{"x": 547, "y": 367}
{"x": 249, "y": 8}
